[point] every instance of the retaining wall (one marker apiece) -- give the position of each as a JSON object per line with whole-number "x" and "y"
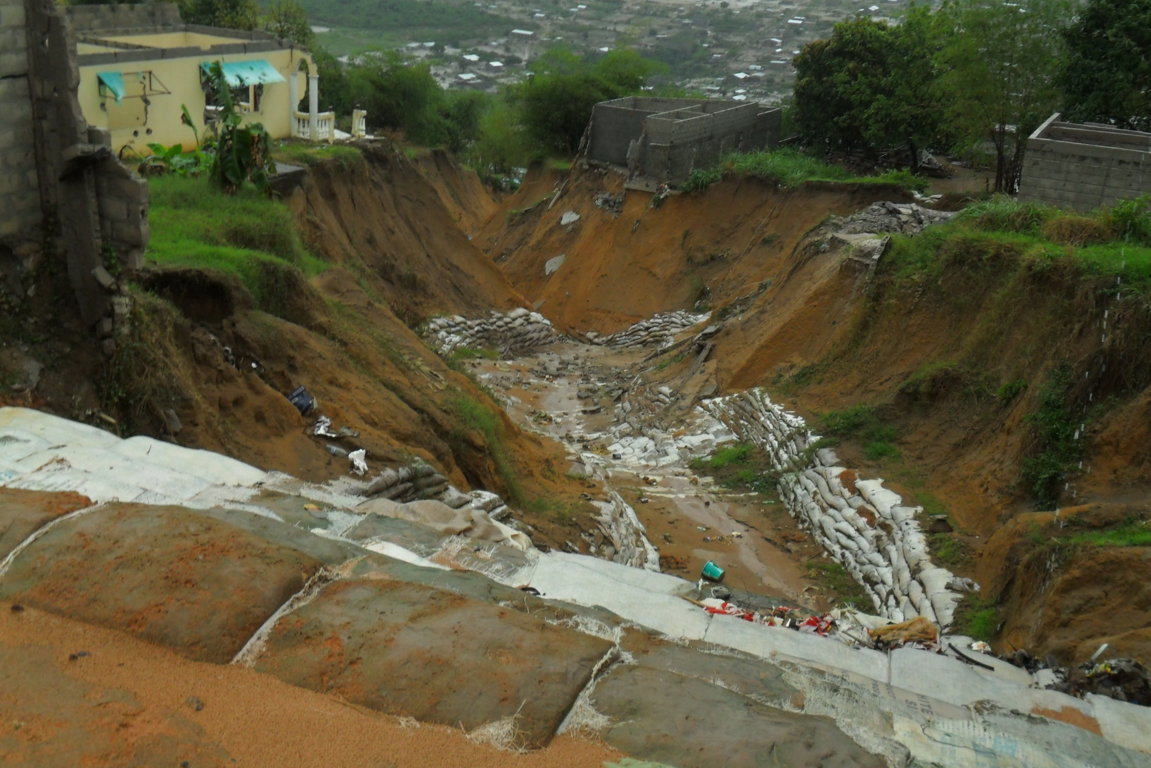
{"x": 1085, "y": 166}
{"x": 865, "y": 526}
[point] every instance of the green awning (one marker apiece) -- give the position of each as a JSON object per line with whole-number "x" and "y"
{"x": 114, "y": 82}
{"x": 251, "y": 72}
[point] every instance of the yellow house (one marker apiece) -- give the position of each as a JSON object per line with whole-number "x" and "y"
{"x": 140, "y": 66}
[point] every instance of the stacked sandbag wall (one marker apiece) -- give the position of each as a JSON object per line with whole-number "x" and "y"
{"x": 517, "y": 332}
{"x": 863, "y": 525}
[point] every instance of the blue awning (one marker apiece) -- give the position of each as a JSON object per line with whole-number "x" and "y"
{"x": 114, "y": 82}
{"x": 251, "y": 72}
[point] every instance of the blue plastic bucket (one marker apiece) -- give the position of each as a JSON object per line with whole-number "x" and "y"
{"x": 712, "y": 571}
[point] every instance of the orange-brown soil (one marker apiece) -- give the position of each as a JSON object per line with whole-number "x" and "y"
{"x": 822, "y": 333}
{"x": 411, "y": 239}
{"x": 75, "y": 694}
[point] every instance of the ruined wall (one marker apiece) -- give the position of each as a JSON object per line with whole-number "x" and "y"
{"x": 60, "y": 184}
{"x": 1083, "y": 167}
{"x": 669, "y": 138}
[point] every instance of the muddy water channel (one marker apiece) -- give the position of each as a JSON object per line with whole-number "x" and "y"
{"x": 575, "y": 393}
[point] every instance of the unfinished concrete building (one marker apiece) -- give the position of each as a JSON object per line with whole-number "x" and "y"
{"x": 1085, "y": 166}
{"x": 666, "y": 139}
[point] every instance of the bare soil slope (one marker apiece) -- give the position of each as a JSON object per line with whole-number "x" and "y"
{"x": 956, "y": 366}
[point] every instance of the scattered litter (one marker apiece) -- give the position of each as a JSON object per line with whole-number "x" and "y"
{"x": 323, "y": 427}
{"x": 980, "y": 646}
{"x": 570, "y": 217}
{"x": 610, "y": 203}
{"x": 961, "y": 584}
{"x": 1122, "y": 679}
{"x": 359, "y": 461}
{"x": 303, "y": 400}
{"x": 712, "y": 572}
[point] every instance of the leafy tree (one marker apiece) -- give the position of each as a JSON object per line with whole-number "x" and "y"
{"x": 1107, "y": 77}
{"x": 556, "y": 101}
{"x": 870, "y": 86}
{"x": 232, "y": 14}
{"x": 400, "y": 96}
{"x": 501, "y": 142}
{"x": 1001, "y": 62}
{"x": 287, "y": 19}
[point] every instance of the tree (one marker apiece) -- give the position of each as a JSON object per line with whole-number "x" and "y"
{"x": 1001, "y": 63}
{"x": 287, "y": 19}
{"x": 1107, "y": 76}
{"x": 870, "y": 86}
{"x": 232, "y": 14}
{"x": 399, "y": 95}
{"x": 556, "y": 101}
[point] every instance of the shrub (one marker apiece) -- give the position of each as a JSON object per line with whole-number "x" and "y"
{"x": 1006, "y": 214}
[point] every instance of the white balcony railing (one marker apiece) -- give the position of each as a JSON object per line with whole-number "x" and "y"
{"x": 359, "y": 123}
{"x": 325, "y": 126}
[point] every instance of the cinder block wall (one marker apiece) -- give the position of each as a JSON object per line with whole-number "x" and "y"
{"x": 1083, "y": 167}
{"x": 124, "y": 16}
{"x": 676, "y": 136}
{"x": 19, "y": 183}
{"x": 60, "y": 183}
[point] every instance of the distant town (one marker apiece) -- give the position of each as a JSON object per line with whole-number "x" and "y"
{"x": 736, "y": 49}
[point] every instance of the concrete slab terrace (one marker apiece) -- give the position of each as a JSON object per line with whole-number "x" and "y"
{"x": 907, "y": 707}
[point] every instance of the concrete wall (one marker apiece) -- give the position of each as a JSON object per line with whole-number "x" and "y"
{"x": 85, "y": 18}
{"x": 19, "y": 185}
{"x": 667, "y": 139}
{"x": 1083, "y": 167}
{"x": 62, "y": 193}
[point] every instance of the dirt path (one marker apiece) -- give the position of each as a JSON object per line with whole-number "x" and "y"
{"x": 570, "y": 392}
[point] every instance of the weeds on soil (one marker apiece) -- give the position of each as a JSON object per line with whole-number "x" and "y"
{"x": 1058, "y": 447}
{"x": 978, "y": 617}
{"x": 790, "y": 168}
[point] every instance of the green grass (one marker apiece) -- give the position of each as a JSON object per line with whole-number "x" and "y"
{"x": 476, "y": 416}
{"x": 948, "y": 550}
{"x": 732, "y": 454}
{"x": 1131, "y": 533}
{"x": 978, "y": 618}
{"x": 307, "y": 154}
{"x": 459, "y": 354}
{"x": 789, "y": 168}
{"x": 741, "y": 467}
{"x": 247, "y": 234}
{"x": 835, "y": 578}
{"x": 862, "y": 423}
{"x": 1057, "y": 447}
{"x": 1003, "y": 233}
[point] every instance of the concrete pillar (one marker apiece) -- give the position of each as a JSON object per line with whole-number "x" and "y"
{"x": 313, "y": 104}
{"x": 293, "y": 100}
